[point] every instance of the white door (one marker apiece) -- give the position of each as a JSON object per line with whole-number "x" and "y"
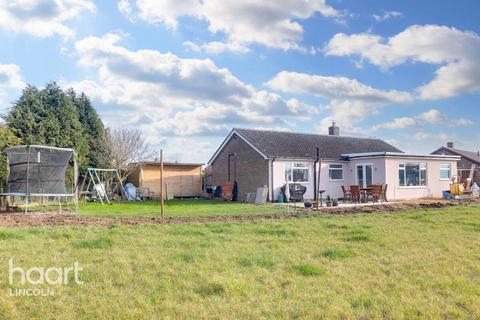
{"x": 364, "y": 175}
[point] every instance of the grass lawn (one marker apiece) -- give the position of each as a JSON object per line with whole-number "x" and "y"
{"x": 417, "y": 264}
{"x": 177, "y": 208}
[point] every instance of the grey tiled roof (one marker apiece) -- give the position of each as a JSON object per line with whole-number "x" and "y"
{"x": 473, "y": 156}
{"x": 300, "y": 145}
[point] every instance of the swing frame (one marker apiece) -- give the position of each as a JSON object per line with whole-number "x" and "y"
{"x": 102, "y": 178}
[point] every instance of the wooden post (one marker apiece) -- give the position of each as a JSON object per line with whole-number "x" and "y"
{"x": 162, "y": 209}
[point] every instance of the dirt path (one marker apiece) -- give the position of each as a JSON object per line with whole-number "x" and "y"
{"x": 62, "y": 219}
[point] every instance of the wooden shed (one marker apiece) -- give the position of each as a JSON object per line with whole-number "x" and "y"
{"x": 182, "y": 180}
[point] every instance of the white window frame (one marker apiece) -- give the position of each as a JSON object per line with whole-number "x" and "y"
{"x": 295, "y": 165}
{"x": 364, "y": 169}
{"x": 420, "y": 164}
{"x": 336, "y": 169}
{"x": 449, "y": 171}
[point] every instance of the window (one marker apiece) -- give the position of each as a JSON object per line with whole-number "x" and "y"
{"x": 296, "y": 172}
{"x": 444, "y": 171}
{"x": 335, "y": 171}
{"x": 412, "y": 174}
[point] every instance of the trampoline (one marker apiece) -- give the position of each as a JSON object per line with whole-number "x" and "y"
{"x": 40, "y": 171}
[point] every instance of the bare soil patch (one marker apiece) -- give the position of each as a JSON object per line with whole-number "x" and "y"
{"x": 53, "y": 219}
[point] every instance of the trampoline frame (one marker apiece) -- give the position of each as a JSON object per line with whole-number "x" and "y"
{"x": 27, "y": 194}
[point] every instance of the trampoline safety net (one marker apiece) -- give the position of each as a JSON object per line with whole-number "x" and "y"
{"x": 37, "y": 170}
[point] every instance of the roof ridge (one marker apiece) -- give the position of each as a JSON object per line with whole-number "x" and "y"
{"x": 306, "y": 134}
{"x": 475, "y": 152}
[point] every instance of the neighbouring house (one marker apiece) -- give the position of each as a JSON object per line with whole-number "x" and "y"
{"x": 469, "y": 161}
{"x": 181, "y": 180}
{"x": 256, "y": 158}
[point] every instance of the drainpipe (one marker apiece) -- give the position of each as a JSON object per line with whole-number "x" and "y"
{"x": 229, "y": 168}
{"x": 271, "y": 180}
{"x": 315, "y": 194}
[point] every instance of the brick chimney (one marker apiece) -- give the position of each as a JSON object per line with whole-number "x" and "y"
{"x": 450, "y": 145}
{"x": 333, "y": 130}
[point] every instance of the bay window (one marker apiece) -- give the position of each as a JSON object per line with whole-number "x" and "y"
{"x": 296, "y": 172}
{"x": 412, "y": 174}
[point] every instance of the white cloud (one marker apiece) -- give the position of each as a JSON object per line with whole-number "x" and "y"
{"x": 272, "y": 23}
{"x": 158, "y": 78}
{"x": 11, "y": 77}
{"x": 350, "y": 101}
{"x": 167, "y": 11}
{"x": 126, "y": 9}
{"x": 432, "y": 116}
{"x": 175, "y": 96}
{"x": 42, "y": 18}
{"x": 461, "y": 122}
{"x": 216, "y": 47}
{"x": 430, "y": 137}
{"x": 10, "y": 80}
{"x": 455, "y": 52}
{"x": 387, "y": 15}
{"x": 397, "y": 123}
{"x": 199, "y": 148}
{"x": 333, "y": 88}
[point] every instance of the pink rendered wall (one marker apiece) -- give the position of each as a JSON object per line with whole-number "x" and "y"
{"x": 385, "y": 171}
{"x": 279, "y": 178}
{"x": 332, "y": 188}
{"x": 434, "y": 186}
{"x": 378, "y": 170}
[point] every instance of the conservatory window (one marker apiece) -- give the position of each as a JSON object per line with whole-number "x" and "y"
{"x": 296, "y": 172}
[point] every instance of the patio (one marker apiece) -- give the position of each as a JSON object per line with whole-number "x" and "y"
{"x": 340, "y": 205}
{"x": 353, "y": 195}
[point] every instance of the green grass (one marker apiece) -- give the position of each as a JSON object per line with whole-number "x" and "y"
{"x": 405, "y": 265}
{"x": 175, "y": 208}
{"x": 100, "y": 243}
{"x": 335, "y": 253}
{"x": 308, "y": 270}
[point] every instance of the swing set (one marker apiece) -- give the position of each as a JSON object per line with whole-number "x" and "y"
{"x": 102, "y": 185}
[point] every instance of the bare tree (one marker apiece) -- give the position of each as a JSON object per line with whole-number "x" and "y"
{"x": 125, "y": 149}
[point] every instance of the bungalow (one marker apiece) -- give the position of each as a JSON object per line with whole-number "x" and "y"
{"x": 255, "y": 158}
{"x": 469, "y": 163}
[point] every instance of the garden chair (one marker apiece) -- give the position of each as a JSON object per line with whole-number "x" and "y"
{"x": 227, "y": 190}
{"x": 367, "y": 194}
{"x": 347, "y": 195}
{"x": 384, "y": 193}
{"x": 296, "y": 192}
{"x": 376, "y": 192}
{"x": 356, "y": 194}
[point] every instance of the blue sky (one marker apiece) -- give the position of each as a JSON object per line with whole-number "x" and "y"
{"x": 186, "y": 72}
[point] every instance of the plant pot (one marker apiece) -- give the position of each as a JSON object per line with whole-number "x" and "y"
{"x": 335, "y": 203}
{"x": 307, "y": 204}
{"x": 329, "y": 203}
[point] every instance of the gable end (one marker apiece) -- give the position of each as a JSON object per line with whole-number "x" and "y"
{"x": 227, "y": 139}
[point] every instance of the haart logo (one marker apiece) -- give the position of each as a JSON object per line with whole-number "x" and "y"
{"x": 37, "y": 276}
